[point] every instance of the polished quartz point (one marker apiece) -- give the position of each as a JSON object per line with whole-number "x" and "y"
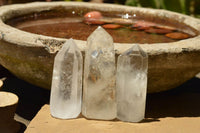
{"x": 99, "y": 77}
{"x": 66, "y": 89}
{"x": 131, "y": 84}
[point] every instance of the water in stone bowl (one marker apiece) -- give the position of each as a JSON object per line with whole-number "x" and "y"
{"x": 80, "y": 23}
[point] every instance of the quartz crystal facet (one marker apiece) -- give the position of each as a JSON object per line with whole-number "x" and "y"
{"x": 99, "y": 77}
{"x": 66, "y": 90}
{"x": 131, "y": 84}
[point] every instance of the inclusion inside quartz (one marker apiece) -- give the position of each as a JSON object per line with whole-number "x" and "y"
{"x": 70, "y": 23}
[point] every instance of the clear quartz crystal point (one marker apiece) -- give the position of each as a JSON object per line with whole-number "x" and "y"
{"x": 131, "y": 84}
{"x": 99, "y": 77}
{"x": 66, "y": 89}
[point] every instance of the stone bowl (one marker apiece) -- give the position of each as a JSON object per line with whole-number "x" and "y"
{"x": 30, "y": 56}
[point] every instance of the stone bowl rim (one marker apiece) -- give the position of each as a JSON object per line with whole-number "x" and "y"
{"x": 22, "y": 38}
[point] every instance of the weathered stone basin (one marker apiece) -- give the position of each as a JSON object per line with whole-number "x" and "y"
{"x": 30, "y": 56}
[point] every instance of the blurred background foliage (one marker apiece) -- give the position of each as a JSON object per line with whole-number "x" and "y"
{"x": 189, "y": 7}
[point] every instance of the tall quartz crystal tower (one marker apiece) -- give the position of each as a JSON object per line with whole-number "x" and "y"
{"x": 99, "y": 77}
{"x": 131, "y": 84}
{"x": 66, "y": 90}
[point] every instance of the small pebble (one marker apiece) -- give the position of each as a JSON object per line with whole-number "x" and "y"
{"x": 143, "y": 25}
{"x": 158, "y": 31}
{"x": 112, "y": 26}
{"x": 177, "y": 35}
{"x": 122, "y": 21}
{"x": 166, "y": 27}
{"x": 93, "y": 17}
{"x": 142, "y": 28}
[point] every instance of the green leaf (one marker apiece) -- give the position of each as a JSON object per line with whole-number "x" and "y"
{"x": 148, "y": 3}
{"x": 197, "y": 7}
{"x": 120, "y": 1}
{"x": 132, "y": 2}
{"x": 173, "y": 5}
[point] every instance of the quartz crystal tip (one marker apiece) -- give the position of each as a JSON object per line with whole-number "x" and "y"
{"x": 100, "y": 37}
{"x": 135, "y": 50}
{"x": 69, "y": 45}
